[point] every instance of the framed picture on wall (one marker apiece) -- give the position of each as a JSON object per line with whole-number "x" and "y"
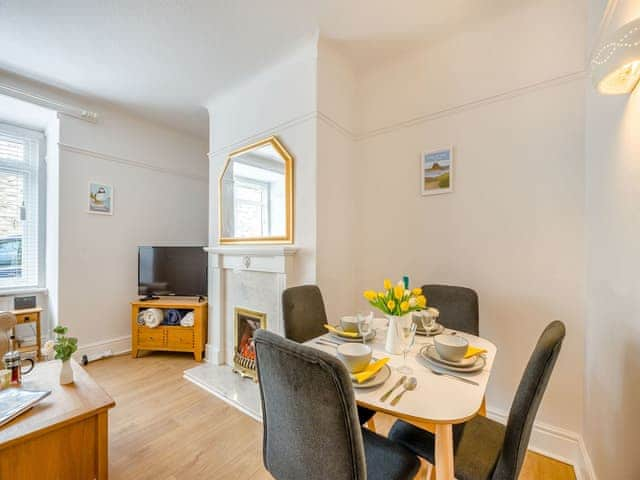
{"x": 100, "y": 198}
{"x": 436, "y": 168}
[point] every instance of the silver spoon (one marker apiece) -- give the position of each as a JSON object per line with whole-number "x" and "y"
{"x": 409, "y": 384}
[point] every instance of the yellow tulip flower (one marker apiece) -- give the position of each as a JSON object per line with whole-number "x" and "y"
{"x": 382, "y": 294}
{"x": 370, "y": 295}
{"x": 404, "y": 306}
{"x": 387, "y": 284}
{"x": 391, "y": 305}
{"x": 417, "y": 291}
{"x": 422, "y": 301}
{"x": 398, "y": 292}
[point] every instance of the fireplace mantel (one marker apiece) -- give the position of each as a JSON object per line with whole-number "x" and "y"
{"x": 247, "y": 276}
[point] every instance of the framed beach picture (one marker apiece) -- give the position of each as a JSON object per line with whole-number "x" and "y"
{"x": 100, "y": 198}
{"x": 437, "y": 171}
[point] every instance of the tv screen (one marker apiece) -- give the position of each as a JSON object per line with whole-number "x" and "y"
{"x": 172, "y": 271}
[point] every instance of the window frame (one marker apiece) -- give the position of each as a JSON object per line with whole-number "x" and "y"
{"x": 265, "y": 205}
{"x": 40, "y": 138}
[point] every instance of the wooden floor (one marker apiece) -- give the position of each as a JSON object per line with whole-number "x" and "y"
{"x": 165, "y": 428}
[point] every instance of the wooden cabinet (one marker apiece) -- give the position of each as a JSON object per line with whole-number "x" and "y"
{"x": 166, "y": 337}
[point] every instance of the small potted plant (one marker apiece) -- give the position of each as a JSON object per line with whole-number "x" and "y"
{"x": 64, "y": 347}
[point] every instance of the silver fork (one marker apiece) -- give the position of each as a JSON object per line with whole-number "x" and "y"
{"x": 462, "y": 379}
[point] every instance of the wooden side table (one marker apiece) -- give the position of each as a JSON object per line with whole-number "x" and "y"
{"x": 65, "y": 436}
{"x": 31, "y": 315}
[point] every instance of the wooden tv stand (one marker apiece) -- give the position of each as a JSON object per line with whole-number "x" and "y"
{"x": 170, "y": 338}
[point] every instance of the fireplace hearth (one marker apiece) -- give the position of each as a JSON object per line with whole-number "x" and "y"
{"x": 246, "y": 322}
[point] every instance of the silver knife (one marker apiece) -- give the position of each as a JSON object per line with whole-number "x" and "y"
{"x": 398, "y": 383}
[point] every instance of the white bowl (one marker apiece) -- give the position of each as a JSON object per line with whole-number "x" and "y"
{"x": 451, "y": 347}
{"x": 355, "y": 356}
{"x": 349, "y": 324}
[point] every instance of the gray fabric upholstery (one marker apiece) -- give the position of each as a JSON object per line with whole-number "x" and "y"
{"x": 304, "y": 318}
{"x": 311, "y": 428}
{"x": 303, "y": 313}
{"x": 477, "y": 445}
{"x": 527, "y": 400}
{"x": 484, "y": 449}
{"x": 458, "y": 306}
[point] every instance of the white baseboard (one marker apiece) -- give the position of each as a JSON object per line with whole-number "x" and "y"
{"x": 555, "y": 442}
{"x": 586, "y": 471}
{"x": 117, "y": 346}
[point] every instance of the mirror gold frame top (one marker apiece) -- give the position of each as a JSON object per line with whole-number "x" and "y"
{"x": 287, "y": 238}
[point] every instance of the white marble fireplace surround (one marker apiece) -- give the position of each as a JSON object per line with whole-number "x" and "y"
{"x": 251, "y": 277}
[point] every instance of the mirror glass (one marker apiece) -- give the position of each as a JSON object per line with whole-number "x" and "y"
{"x": 255, "y": 194}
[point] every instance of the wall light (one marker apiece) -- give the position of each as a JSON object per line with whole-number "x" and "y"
{"x": 615, "y": 66}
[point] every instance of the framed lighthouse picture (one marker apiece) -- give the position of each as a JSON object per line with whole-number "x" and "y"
{"x": 100, "y": 198}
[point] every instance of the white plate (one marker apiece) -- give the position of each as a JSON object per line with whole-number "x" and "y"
{"x": 431, "y": 333}
{"x": 357, "y": 339}
{"x": 429, "y": 353}
{"x": 378, "y": 379}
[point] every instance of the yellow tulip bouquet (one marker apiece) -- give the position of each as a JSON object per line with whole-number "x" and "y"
{"x": 396, "y": 300}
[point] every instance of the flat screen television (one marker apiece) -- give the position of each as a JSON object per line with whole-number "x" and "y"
{"x": 172, "y": 271}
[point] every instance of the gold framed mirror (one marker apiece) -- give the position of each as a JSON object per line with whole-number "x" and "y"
{"x": 255, "y": 203}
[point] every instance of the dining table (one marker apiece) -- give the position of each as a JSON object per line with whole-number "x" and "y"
{"x": 438, "y": 400}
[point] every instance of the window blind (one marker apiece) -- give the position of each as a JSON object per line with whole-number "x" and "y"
{"x": 19, "y": 200}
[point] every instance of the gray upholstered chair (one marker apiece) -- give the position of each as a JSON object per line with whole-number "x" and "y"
{"x": 7, "y": 322}
{"x": 311, "y": 428}
{"x": 303, "y": 313}
{"x": 487, "y": 450}
{"x": 304, "y": 318}
{"x": 458, "y": 306}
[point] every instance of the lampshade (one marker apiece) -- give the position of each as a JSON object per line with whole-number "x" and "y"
{"x": 615, "y": 66}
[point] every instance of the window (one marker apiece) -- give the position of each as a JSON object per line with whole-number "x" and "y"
{"x": 252, "y": 207}
{"x": 21, "y": 151}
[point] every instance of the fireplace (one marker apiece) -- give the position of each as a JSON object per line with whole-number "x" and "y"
{"x": 246, "y": 322}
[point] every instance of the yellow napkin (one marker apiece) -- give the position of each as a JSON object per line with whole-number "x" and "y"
{"x": 341, "y": 332}
{"x": 473, "y": 351}
{"x": 370, "y": 371}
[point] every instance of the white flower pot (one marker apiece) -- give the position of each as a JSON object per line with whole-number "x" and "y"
{"x": 66, "y": 373}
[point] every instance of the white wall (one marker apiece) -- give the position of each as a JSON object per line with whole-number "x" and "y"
{"x": 613, "y": 295}
{"x": 162, "y": 199}
{"x": 160, "y": 182}
{"x": 338, "y": 185}
{"x": 506, "y": 96}
{"x": 279, "y": 101}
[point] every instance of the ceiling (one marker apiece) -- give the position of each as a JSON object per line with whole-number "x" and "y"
{"x": 163, "y": 59}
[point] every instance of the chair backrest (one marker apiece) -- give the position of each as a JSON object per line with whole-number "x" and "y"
{"x": 527, "y": 400}
{"x": 458, "y": 306}
{"x": 303, "y": 313}
{"x": 7, "y": 322}
{"x": 310, "y": 421}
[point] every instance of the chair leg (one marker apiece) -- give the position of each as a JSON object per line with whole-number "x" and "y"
{"x": 432, "y": 470}
{"x": 483, "y": 407}
{"x": 371, "y": 424}
{"x": 429, "y": 470}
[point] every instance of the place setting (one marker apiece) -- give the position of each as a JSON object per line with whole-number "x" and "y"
{"x": 451, "y": 355}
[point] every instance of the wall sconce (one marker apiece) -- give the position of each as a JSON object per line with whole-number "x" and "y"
{"x": 615, "y": 66}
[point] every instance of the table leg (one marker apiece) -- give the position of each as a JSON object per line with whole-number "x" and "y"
{"x": 444, "y": 452}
